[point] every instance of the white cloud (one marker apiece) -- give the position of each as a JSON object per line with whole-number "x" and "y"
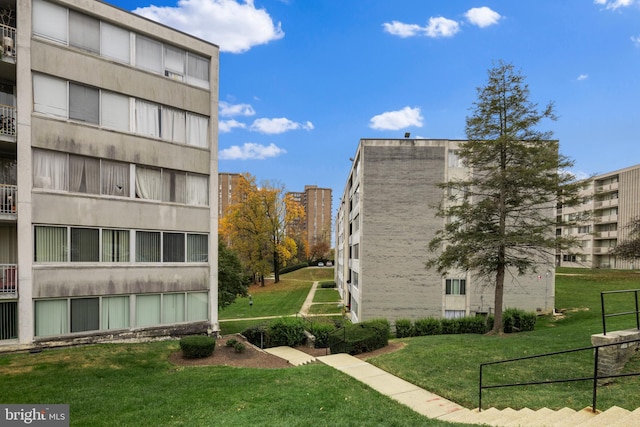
{"x": 278, "y": 125}
{"x": 482, "y": 16}
{"x": 636, "y": 40}
{"x": 394, "y": 120}
{"x": 230, "y": 110}
{"x": 251, "y": 151}
{"x": 614, "y": 4}
{"x": 583, "y": 77}
{"x": 225, "y": 126}
{"x": 235, "y": 26}
{"x": 402, "y": 30}
{"x": 442, "y": 27}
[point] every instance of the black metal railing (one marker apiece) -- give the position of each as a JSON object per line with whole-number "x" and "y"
{"x": 594, "y": 378}
{"x": 622, "y": 313}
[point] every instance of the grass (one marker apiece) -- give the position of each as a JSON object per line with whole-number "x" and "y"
{"x": 326, "y": 295}
{"x": 325, "y": 309}
{"x": 274, "y": 299}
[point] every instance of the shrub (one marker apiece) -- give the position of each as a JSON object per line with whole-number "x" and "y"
{"x": 294, "y": 267}
{"x": 258, "y": 335}
{"x": 450, "y": 326}
{"x": 427, "y": 326}
{"x": 327, "y": 284}
{"x": 360, "y": 337}
{"x": 321, "y": 331}
{"x": 517, "y": 320}
{"x": 404, "y": 328}
{"x": 197, "y": 346}
{"x": 231, "y": 342}
{"x": 239, "y": 347}
{"x": 286, "y": 331}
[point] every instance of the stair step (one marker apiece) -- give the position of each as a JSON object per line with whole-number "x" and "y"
{"x": 516, "y": 420}
{"x": 632, "y": 419}
{"x": 606, "y": 418}
{"x": 461, "y": 416}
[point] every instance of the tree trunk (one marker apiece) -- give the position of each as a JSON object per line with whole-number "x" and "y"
{"x": 498, "y": 296}
{"x": 276, "y": 267}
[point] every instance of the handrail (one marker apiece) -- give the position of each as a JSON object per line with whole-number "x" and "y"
{"x": 8, "y": 279}
{"x": 593, "y": 378}
{"x": 623, "y": 313}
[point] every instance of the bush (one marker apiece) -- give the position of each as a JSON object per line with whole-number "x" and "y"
{"x": 287, "y": 331}
{"x": 404, "y": 328}
{"x": 294, "y": 267}
{"x": 231, "y": 342}
{"x": 258, "y": 336}
{"x": 360, "y": 337}
{"x": 517, "y": 320}
{"x": 427, "y": 326}
{"x": 327, "y": 284}
{"x": 197, "y": 346}
{"x": 321, "y": 331}
{"x": 239, "y": 347}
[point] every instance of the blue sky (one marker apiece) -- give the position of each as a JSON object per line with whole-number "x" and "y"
{"x": 301, "y": 81}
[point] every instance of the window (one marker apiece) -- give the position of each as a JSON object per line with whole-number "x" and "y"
{"x": 454, "y": 314}
{"x": 174, "y": 63}
{"x": 174, "y": 186}
{"x": 115, "y": 178}
{"x": 147, "y": 118}
{"x": 148, "y": 54}
{"x": 85, "y": 314}
{"x": 84, "y": 174}
{"x": 173, "y": 125}
{"x": 569, "y": 258}
{"x": 115, "y": 246}
{"x": 8, "y": 320}
{"x": 173, "y": 308}
{"x": 50, "y": 21}
{"x": 197, "y": 70}
{"x": 584, "y": 229}
{"x": 173, "y": 247}
{"x": 197, "y": 306}
{"x": 114, "y": 111}
{"x": 50, "y": 244}
{"x": 51, "y": 317}
{"x": 147, "y": 310}
{"x": 455, "y": 286}
{"x": 84, "y": 103}
{"x": 197, "y": 248}
{"x": 84, "y": 32}
{"x": 148, "y": 183}
{"x": 197, "y": 127}
{"x": 147, "y": 246}
{"x": 197, "y": 190}
{"x": 115, "y": 43}
{"x": 115, "y": 312}
{"x": 85, "y": 245}
{"x": 49, "y": 95}
{"x": 50, "y": 170}
{"x": 454, "y": 159}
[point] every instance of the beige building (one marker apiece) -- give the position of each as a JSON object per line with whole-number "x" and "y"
{"x": 227, "y": 182}
{"x": 384, "y": 224}
{"x": 109, "y": 166}
{"x": 316, "y": 226}
{"x": 611, "y": 200}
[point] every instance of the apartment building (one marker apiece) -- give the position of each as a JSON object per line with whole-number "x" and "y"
{"x": 108, "y": 142}
{"x": 612, "y": 201}
{"x": 227, "y": 182}
{"x": 316, "y": 226}
{"x": 384, "y": 223}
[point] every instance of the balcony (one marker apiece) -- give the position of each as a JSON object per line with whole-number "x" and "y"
{"x": 8, "y": 201}
{"x": 8, "y": 43}
{"x": 606, "y": 187}
{"x": 8, "y": 281}
{"x": 8, "y": 122}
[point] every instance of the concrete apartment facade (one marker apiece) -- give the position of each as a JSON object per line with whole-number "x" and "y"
{"x": 316, "y": 225}
{"x": 612, "y": 201}
{"x": 109, "y": 152}
{"x": 384, "y": 223}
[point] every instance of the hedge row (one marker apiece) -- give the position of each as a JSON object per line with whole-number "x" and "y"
{"x": 294, "y": 267}
{"x": 360, "y": 337}
{"x": 328, "y": 284}
{"x": 197, "y": 346}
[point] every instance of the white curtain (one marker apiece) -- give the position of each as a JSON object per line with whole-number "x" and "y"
{"x": 115, "y": 312}
{"x": 84, "y": 32}
{"x": 50, "y": 244}
{"x": 173, "y": 125}
{"x": 147, "y": 119}
{"x": 174, "y": 186}
{"x": 49, "y": 95}
{"x": 197, "y": 248}
{"x": 50, "y": 21}
{"x": 148, "y": 54}
{"x": 115, "y": 111}
{"x": 197, "y": 71}
{"x": 147, "y": 246}
{"x": 115, "y": 245}
{"x": 115, "y": 178}
{"x": 197, "y": 190}
{"x": 147, "y": 310}
{"x": 172, "y": 308}
{"x": 148, "y": 183}
{"x": 197, "y": 127}
{"x": 50, "y": 170}
{"x": 174, "y": 62}
{"x": 51, "y": 317}
{"x": 115, "y": 43}
{"x": 84, "y": 174}
{"x": 197, "y": 306}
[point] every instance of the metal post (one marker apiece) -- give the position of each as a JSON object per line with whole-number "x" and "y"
{"x": 637, "y": 318}
{"x": 604, "y": 322}
{"x": 480, "y": 392}
{"x": 595, "y": 379}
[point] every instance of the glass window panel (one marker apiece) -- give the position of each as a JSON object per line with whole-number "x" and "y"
{"x": 114, "y": 113}
{"x": 84, "y": 174}
{"x": 197, "y": 70}
{"x": 49, "y": 95}
{"x": 84, "y": 103}
{"x": 197, "y": 127}
{"x": 115, "y": 312}
{"x": 197, "y": 190}
{"x": 51, "y": 317}
{"x": 50, "y": 21}
{"x": 197, "y": 306}
{"x": 50, "y": 244}
{"x": 148, "y": 183}
{"x": 173, "y": 247}
{"x": 115, "y": 245}
{"x": 115, "y": 43}
{"x": 174, "y": 63}
{"x": 147, "y": 118}
{"x": 84, "y": 32}
{"x": 115, "y": 178}
{"x": 8, "y": 320}
{"x": 50, "y": 170}
{"x": 172, "y": 308}
{"x": 147, "y": 246}
{"x": 174, "y": 186}
{"x": 85, "y": 314}
{"x": 197, "y": 248}
{"x": 148, "y": 54}
{"x": 147, "y": 310}
{"x": 173, "y": 125}
{"x": 85, "y": 245}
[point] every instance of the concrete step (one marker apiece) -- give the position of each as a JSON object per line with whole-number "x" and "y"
{"x": 291, "y": 355}
{"x": 632, "y": 419}
{"x": 606, "y": 418}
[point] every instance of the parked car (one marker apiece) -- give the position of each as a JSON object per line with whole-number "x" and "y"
{"x": 321, "y": 264}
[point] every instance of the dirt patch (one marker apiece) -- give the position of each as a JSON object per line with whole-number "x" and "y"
{"x": 253, "y": 357}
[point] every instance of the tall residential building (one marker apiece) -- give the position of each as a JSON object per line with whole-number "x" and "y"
{"x": 612, "y": 201}
{"x": 384, "y": 224}
{"x": 316, "y": 226}
{"x": 227, "y": 182}
{"x": 108, "y": 161}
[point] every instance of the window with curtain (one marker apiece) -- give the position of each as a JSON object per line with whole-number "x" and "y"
{"x": 174, "y": 186}
{"x": 197, "y": 127}
{"x": 173, "y": 247}
{"x": 147, "y": 246}
{"x": 115, "y": 43}
{"x": 174, "y": 63}
{"x": 115, "y": 245}
{"x": 114, "y": 111}
{"x": 84, "y": 174}
{"x": 49, "y": 95}
{"x": 50, "y": 244}
{"x": 84, "y": 103}
{"x": 51, "y": 317}
{"x": 115, "y": 178}
{"x": 197, "y": 248}
{"x": 173, "y": 125}
{"x": 115, "y": 312}
{"x": 197, "y": 70}
{"x": 197, "y": 190}
{"x": 50, "y": 21}
{"x": 455, "y": 287}
{"x": 147, "y": 118}
{"x": 197, "y": 306}
{"x": 147, "y": 310}
{"x": 85, "y": 245}
{"x": 85, "y": 314}
{"x": 84, "y": 32}
{"x": 50, "y": 170}
{"x": 148, "y": 183}
{"x": 148, "y": 54}
{"x": 172, "y": 308}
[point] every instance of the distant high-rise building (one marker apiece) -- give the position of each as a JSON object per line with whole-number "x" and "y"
{"x": 316, "y": 226}
{"x": 227, "y": 182}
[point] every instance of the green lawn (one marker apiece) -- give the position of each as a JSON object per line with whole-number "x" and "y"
{"x": 326, "y": 295}
{"x": 274, "y": 299}
{"x": 325, "y": 309}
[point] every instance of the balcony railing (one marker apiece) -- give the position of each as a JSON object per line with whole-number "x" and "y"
{"x": 8, "y": 40}
{"x": 7, "y": 120}
{"x": 8, "y": 280}
{"x": 8, "y": 198}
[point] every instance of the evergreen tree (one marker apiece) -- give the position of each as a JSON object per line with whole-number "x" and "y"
{"x": 231, "y": 280}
